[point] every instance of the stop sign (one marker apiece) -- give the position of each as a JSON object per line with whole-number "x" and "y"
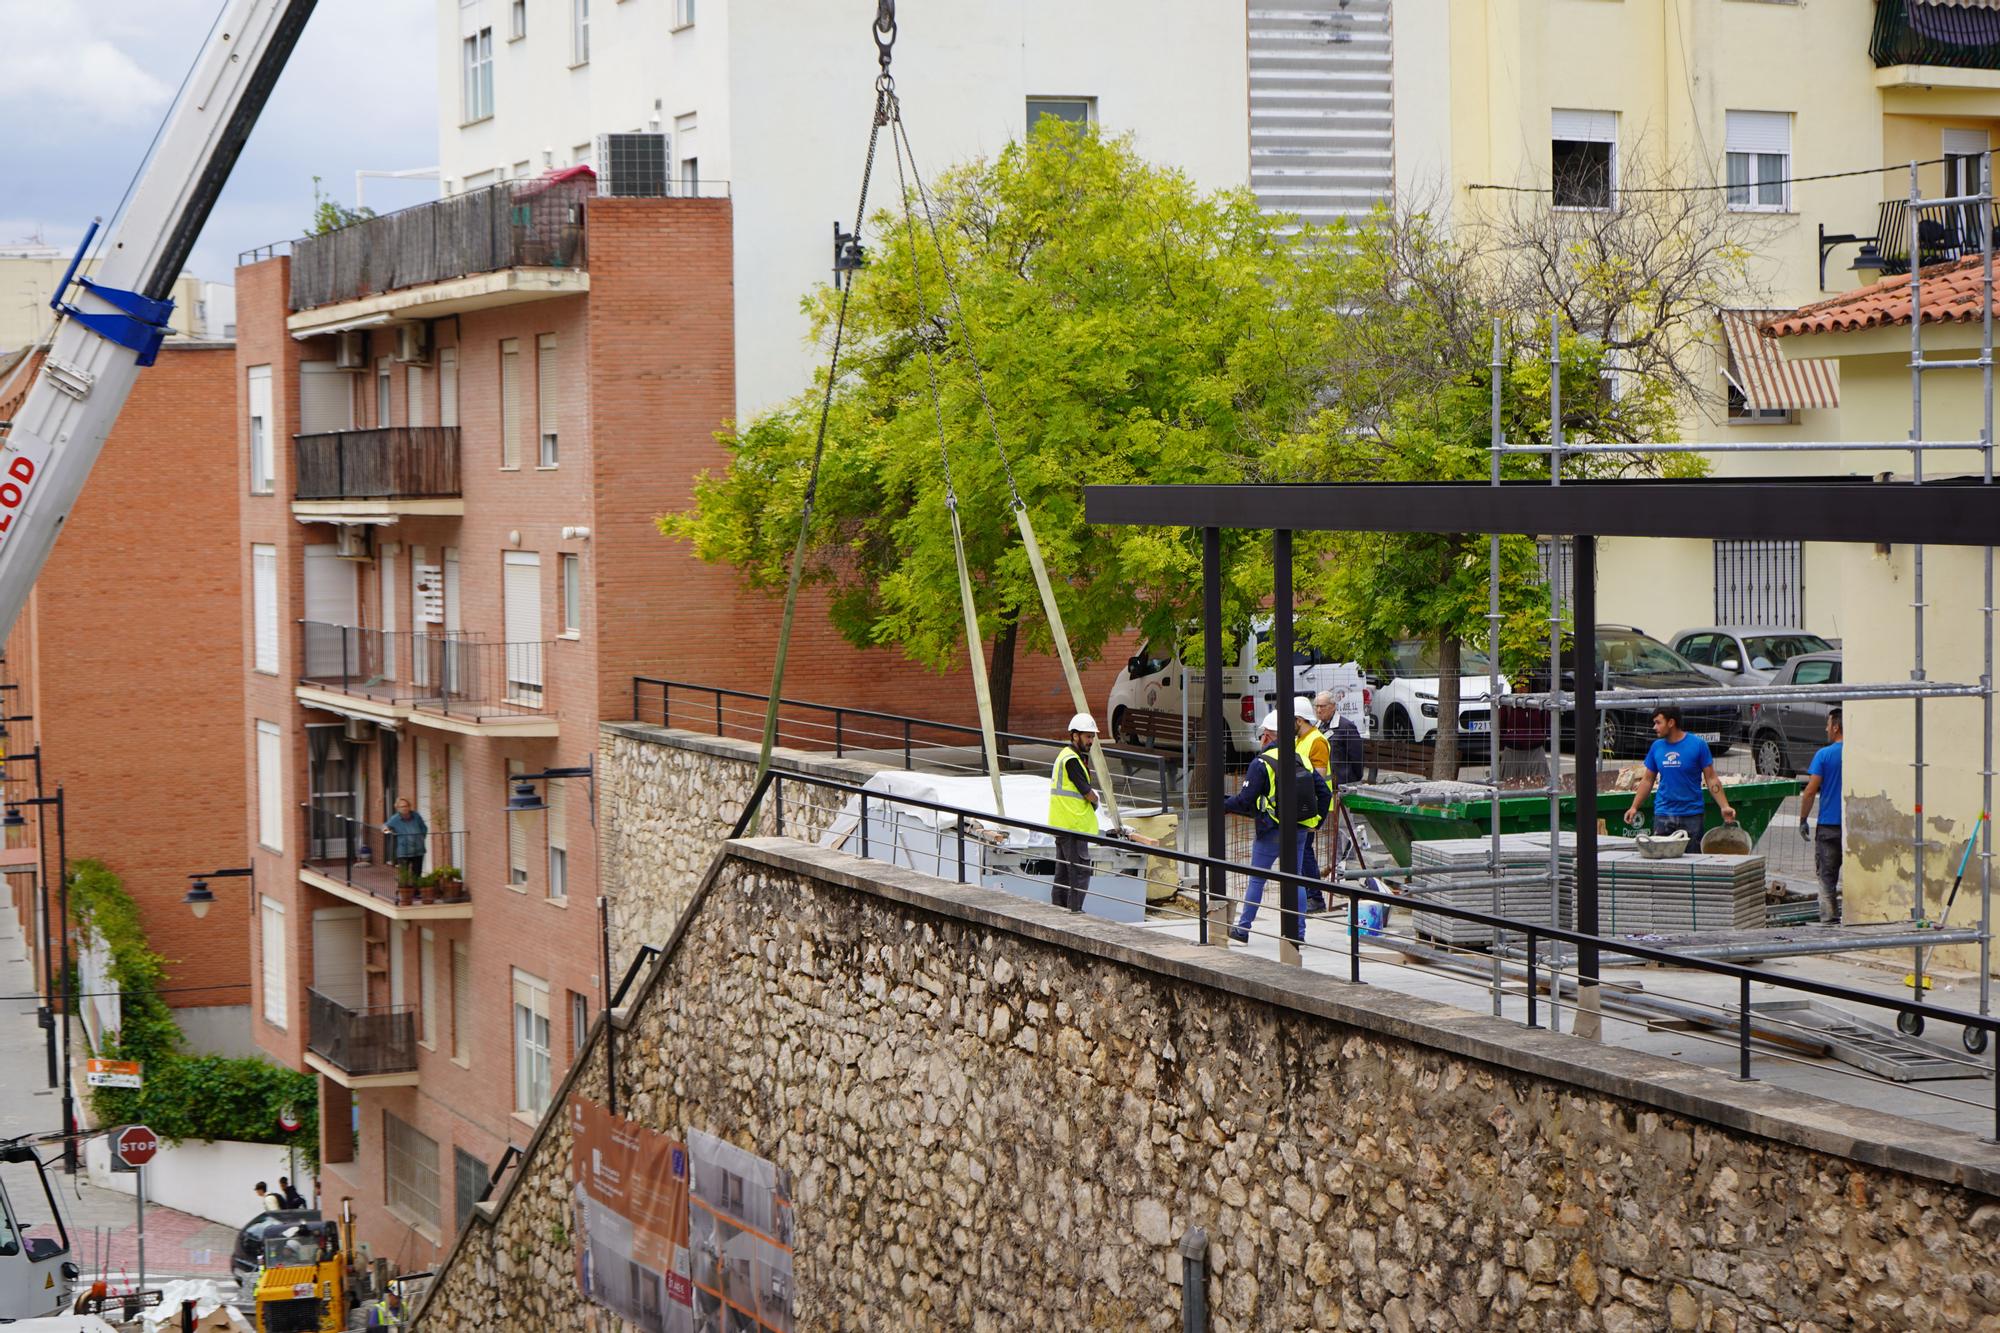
{"x": 135, "y": 1145}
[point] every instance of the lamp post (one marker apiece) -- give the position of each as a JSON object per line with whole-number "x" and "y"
{"x": 199, "y": 898}
{"x": 13, "y": 820}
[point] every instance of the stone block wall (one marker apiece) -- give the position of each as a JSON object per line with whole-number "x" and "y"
{"x": 1000, "y": 1116}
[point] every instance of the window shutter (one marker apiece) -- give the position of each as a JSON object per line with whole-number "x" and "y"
{"x": 448, "y": 386}
{"x": 415, "y": 386}
{"x": 427, "y": 999}
{"x": 461, "y": 1002}
{"x": 264, "y": 601}
{"x": 1759, "y": 132}
{"x": 558, "y": 813}
{"x": 548, "y": 396}
{"x": 522, "y": 625}
{"x": 1585, "y": 126}
{"x": 399, "y": 940}
{"x": 261, "y": 427}
{"x": 326, "y": 398}
{"x": 272, "y": 919}
{"x": 270, "y": 787}
{"x": 517, "y": 833}
{"x": 510, "y": 403}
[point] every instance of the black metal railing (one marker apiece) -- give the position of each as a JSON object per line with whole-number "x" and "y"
{"x": 452, "y": 672}
{"x": 1943, "y": 232}
{"x": 366, "y": 856}
{"x": 1911, "y": 32}
{"x": 372, "y": 1039}
{"x": 393, "y": 463}
{"x": 870, "y": 733}
{"x": 515, "y": 224}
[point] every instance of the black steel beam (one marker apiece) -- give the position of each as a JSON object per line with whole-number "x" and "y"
{"x": 1583, "y": 599}
{"x": 1815, "y": 509}
{"x": 1292, "y": 925}
{"x": 1214, "y": 729}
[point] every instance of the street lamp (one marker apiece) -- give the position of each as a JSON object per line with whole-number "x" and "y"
{"x": 13, "y": 820}
{"x": 200, "y": 898}
{"x": 523, "y": 799}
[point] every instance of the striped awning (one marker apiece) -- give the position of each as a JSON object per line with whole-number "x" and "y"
{"x": 1763, "y": 375}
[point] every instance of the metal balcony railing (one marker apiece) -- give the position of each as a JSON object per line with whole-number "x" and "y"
{"x": 374, "y": 1039}
{"x": 1943, "y": 232}
{"x": 1911, "y": 32}
{"x": 393, "y": 463}
{"x": 515, "y": 224}
{"x": 437, "y": 671}
{"x": 364, "y": 856}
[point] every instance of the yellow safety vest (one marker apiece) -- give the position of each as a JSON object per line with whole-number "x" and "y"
{"x": 1069, "y": 809}
{"x": 1268, "y": 802}
{"x": 388, "y": 1318}
{"x": 1305, "y": 748}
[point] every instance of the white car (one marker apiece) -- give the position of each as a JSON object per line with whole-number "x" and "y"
{"x": 1405, "y": 707}
{"x": 1146, "y": 699}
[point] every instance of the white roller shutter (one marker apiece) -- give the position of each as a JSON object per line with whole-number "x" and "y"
{"x": 522, "y": 609}
{"x": 510, "y": 403}
{"x": 326, "y": 398}
{"x": 1759, "y": 132}
{"x": 338, "y": 972}
{"x": 517, "y": 833}
{"x": 386, "y": 564}
{"x": 271, "y": 920}
{"x": 270, "y": 786}
{"x": 448, "y": 386}
{"x": 264, "y": 604}
{"x": 1584, "y": 126}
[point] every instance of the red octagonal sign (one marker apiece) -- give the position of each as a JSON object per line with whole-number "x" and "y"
{"x": 136, "y": 1145}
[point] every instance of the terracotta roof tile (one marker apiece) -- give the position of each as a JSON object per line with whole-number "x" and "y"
{"x": 1950, "y": 295}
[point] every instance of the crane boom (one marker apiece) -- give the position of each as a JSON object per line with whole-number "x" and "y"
{"x": 114, "y": 319}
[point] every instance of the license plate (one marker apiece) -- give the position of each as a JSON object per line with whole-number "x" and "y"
{"x": 1477, "y": 724}
{"x": 1710, "y": 736}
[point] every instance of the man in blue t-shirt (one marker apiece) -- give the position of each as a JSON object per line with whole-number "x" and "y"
{"x": 1823, "y": 781}
{"x": 1682, "y": 765}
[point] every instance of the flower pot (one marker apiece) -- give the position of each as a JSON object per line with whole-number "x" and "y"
{"x": 452, "y": 890}
{"x": 430, "y": 892}
{"x": 405, "y": 894}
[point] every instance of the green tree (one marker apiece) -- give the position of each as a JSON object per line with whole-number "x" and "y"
{"x": 1132, "y": 329}
{"x": 329, "y": 214}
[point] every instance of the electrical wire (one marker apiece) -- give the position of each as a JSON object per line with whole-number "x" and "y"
{"x": 1702, "y": 189}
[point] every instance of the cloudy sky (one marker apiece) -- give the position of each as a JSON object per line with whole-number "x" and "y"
{"x": 85, "y": 83}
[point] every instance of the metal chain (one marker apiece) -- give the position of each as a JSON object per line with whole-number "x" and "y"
{"x": 958, "y": 311}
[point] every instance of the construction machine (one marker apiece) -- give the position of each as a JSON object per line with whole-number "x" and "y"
{"x": 37, "y": 1274}
{"x": 304, "y": 1283}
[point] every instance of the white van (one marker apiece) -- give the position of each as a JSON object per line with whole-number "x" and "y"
{"x": 1154, "y": 681}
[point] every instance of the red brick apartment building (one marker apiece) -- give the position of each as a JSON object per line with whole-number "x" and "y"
{"x": 126, "y": 660}
{"x": 459, "y": 424}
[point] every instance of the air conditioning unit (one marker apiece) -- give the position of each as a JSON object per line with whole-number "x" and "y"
{"x": 358, "y": 731}
{"x": 350, "y": 350}
{"x": 350, "y": 541}
{"x": 633, "y": 165}
{"x": 413, "y": 344}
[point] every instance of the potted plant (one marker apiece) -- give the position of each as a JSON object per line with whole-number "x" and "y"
{"x": 406, "y": 886}
{"x": 428, "y": 884}
{"x": 450, "y": 884}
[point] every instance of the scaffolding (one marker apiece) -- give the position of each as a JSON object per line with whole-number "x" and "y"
{"x": 1917, "y": 689}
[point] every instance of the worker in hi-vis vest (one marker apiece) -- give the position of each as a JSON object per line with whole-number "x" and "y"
{"x": 1317, "y": 755}
{"x": 1258, "y": 798}
{"x": 1073, "y": 813}
{"x": 387, "y": 1312}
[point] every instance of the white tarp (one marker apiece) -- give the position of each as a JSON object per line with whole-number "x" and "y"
{"x": 210, "y": 1310}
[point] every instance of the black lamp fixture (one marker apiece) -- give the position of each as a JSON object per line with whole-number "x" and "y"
{"x": 523, "y": 799}
{"x": 847, "y": 254}
{"x": 200, "y": 897}
{"x": 1868, "y": 261}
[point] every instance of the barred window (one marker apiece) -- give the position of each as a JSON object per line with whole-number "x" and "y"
{"x": 1760, "y": 583}
{"x": 410, "y": 1173}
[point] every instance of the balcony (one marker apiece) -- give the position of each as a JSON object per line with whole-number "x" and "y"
{"x": 1944, "y": 232}
{"x": 355, "y": 861}
{"x": 372, "y": 1046}
{"x": 445, "y": 679}
{"x": 374, "y": 473}
{"x": 1920, "y": 45}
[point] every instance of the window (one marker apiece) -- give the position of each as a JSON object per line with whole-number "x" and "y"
{"x": 521, "y": 609}
{"x": 1698, "y": 649}
{"x": 690, "y": 178}
{"x": 531, "y": 1043}
{"x": 271, "y": 933}
{"x": 1820, "y": 671}
{"x": 381, "y": 392}
{"x": 517, "y": 833}
{"x": 413, "y": 388}
{"x": 264, "y": 607}
{"x": 260, "y": 430}
{"x": 517, "y": 27}
{"x": 427, "y": 999}
{"x": 478, "y": 75}
{"x": 448, "y": 386}
{"x": 572, "y": 595}
{"x": 1583, "y": 158}
{"x": 558, "y": 817}
{"x": 522, "y": 170}
{"x": 1076, "y": 110}
{"x": 683, "y": 14}
{"x": 270, "y": 787}
{"x": 510, "y": 403}
{"x": 387, "y": 570}
{"x": 579, "y": 32}
{"x": 1759, "y": 156}
{"x": 1760, "y": 583}
{"x": 579, "y": 1023}
{"x": 399, "y": 950}
{"x": 548, "y": 396}
{"x": 461, "y": 1003}
{"x": 410, "y": 1173}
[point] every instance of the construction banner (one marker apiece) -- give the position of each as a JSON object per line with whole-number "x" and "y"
{"x": 740, "y": 1238}
{"x": 631, "y": 1193}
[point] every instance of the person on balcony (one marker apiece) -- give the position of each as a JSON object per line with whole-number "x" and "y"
{"x": 408, "y": 836}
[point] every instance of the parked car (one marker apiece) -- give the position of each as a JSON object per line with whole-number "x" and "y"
{"x": 1154, "y": 680}
{"x": 1744, "y": 654}
{"x": 247, "y": 1257}
{"x": 1783, "y": 736}
{"x": 1629, "y": 662}
{"x": 1404, "y": 705}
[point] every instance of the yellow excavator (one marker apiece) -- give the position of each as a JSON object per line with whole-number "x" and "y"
{"x": 303, "y": 1283}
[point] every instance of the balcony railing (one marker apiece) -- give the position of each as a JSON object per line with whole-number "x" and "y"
{"x": 524, "y": 223}
{"x": 1944, "y": 232}
{"x": 438, "y": 671}
{"x": 1910, "y": 32}
{"x": 395, "y": 463}
{"x": 366, "y": 857}
{"x": 374, "y": 1039}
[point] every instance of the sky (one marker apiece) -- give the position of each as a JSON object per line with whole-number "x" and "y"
{"x": 84, "y": 84}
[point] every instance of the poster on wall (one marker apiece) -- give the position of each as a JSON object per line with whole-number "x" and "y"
{"x": 630, "y": 1186}
{"x": 739, "y": 1238}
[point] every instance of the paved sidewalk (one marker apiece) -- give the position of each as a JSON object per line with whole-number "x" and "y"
{"x": 103, "y": 1224}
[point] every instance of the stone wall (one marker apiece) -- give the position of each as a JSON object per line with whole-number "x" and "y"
{"x": 667, "y": 800}
{"x": 1000, "y": 1116}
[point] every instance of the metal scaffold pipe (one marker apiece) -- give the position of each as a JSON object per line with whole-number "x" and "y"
{"x": 1498, "y": 443}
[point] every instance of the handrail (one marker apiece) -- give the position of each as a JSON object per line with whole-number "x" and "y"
{"x": 1356, "y": 893}
{"x": 507, "y": 1159}
{"x": 646, "y": 954}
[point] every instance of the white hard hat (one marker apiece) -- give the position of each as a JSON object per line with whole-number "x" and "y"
{"x": 1083, "y": 722}
{"x": 1270, "y": 722}
{"x": 1302, "y": 707}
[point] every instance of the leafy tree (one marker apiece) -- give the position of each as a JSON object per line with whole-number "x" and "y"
{"x": 329, "y": 214}
{"x": 1131, "y": 329}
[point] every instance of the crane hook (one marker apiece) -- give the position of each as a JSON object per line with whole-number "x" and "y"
{"x": 885, "y": 31}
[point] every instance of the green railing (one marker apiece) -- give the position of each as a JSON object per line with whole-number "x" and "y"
{"x": 1908, "y": 32}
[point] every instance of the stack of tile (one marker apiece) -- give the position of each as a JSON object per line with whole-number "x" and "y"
{"x": 1521, "y": 855}
{"x": 1637, "y": 896}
